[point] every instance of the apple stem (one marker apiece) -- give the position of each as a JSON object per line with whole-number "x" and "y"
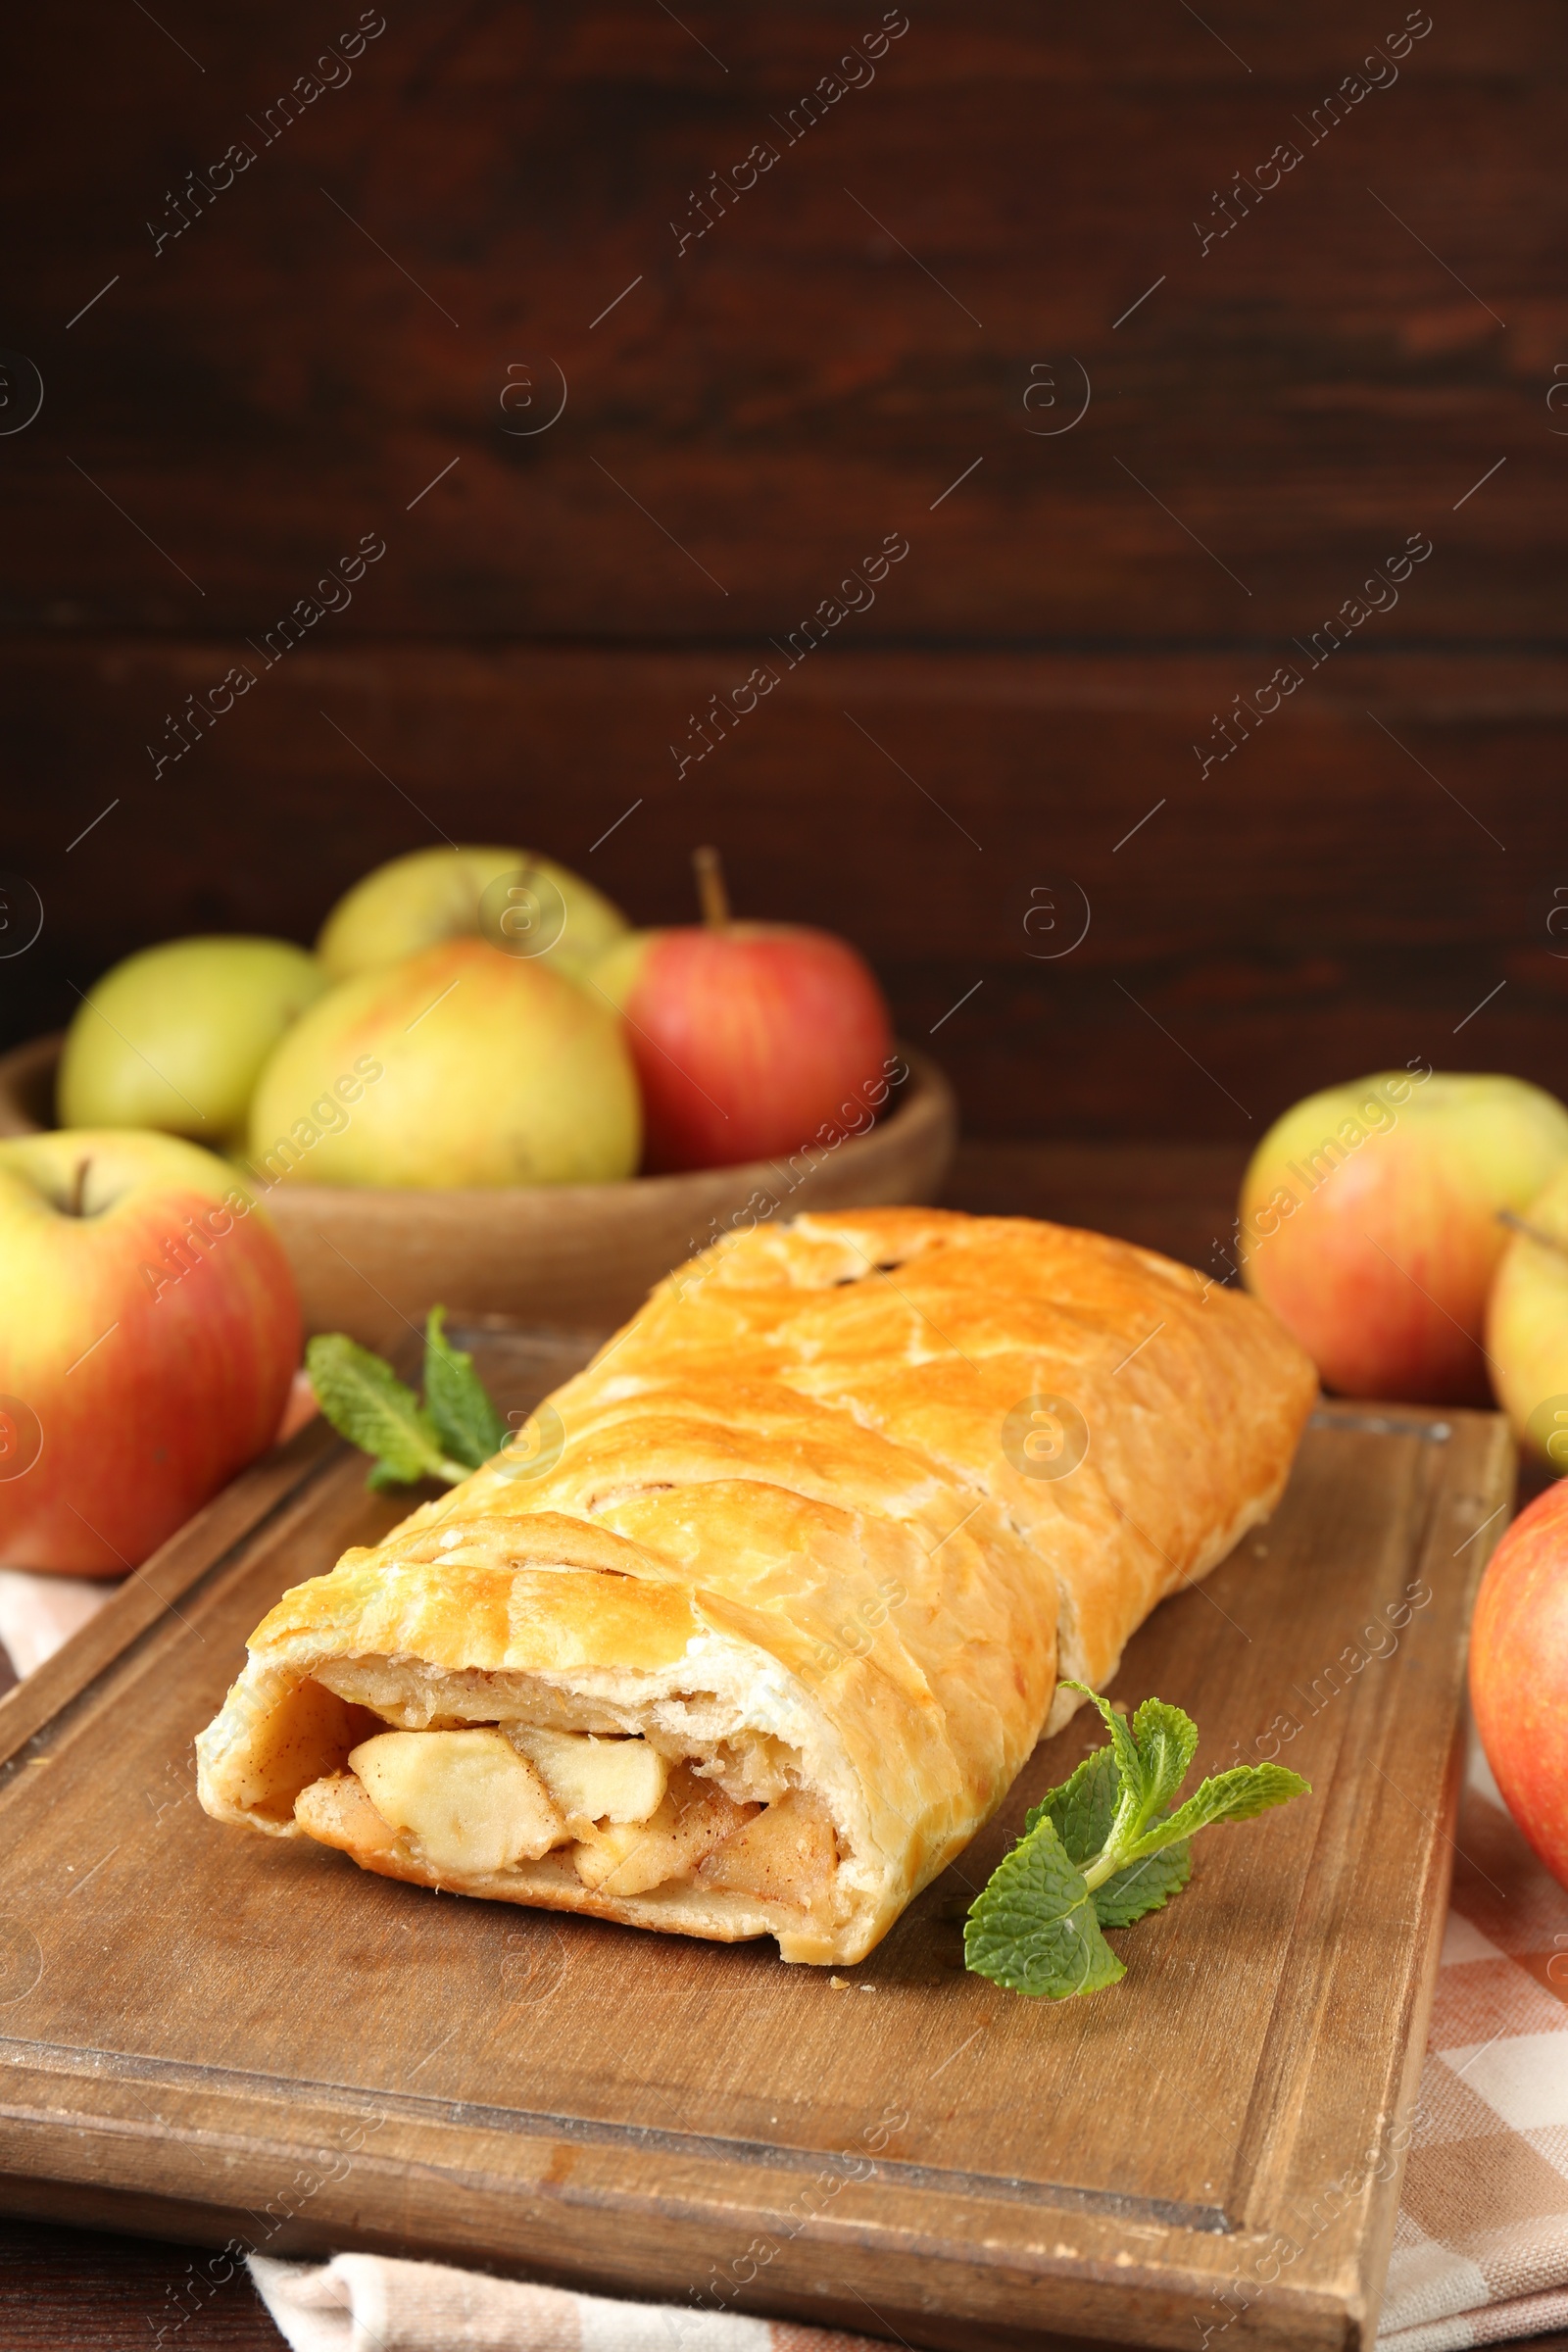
{"x": 79, "y": 1188}
{"x": 1532, "y": 1233}
{"x": 711, "y": 887}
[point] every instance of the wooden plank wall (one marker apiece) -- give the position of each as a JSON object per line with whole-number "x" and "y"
{"x": 1305, "y": 267}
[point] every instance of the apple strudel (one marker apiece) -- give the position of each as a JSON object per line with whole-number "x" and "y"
{"x": 759, "y": 1638}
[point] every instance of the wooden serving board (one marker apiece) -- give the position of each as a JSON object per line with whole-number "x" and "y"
{"x": 218, "y": 2036}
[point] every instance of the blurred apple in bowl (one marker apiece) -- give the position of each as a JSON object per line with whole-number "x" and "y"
{"x": 525, "y": 904}
{"x": 747, "y": 1037}
{"x": 175, "y": 1036}
{"x": 1370, "y": 1223}
{"x": 460, "y": 1066}
{"x": 149, "y": 1331}
{"x": 1527, "y": 1325}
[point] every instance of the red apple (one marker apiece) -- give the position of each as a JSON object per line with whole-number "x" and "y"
{"x": 1369, "y": 1223}
{"x": 1519, "y": 1673}
{"x": 149, "y": 1331}
{"x": 747, "y": 1037}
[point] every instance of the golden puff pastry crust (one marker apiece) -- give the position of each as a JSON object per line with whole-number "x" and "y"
{"x": 828, "y": 1519}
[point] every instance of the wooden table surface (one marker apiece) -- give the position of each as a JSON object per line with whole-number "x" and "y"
{"x": 67, "y": 2291}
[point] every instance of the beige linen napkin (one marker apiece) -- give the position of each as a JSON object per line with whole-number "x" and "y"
{"x": 366, "y": 2303}
{"x": 39, "y": 1612}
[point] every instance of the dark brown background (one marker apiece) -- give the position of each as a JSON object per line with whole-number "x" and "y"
{"x": 1305, "y": 396}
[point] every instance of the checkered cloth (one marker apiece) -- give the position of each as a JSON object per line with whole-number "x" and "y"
{"x": 1481, "y": 2251}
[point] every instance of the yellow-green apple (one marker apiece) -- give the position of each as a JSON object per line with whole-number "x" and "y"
{"x": 1519, "y": 1674}
{"x": 463, "y": 1065}
{"x": 1527, "y": 1325}
{"x": 149, "y": 1331}
{"x": 523, "y": 904}
{"x": 747, "y": 1037}
{"x": 175, "y": 1036}
{"x": 1369, "y": 1223}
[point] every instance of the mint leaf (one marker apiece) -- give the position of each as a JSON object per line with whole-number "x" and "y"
{"x": 364, "y": 1399}
{"x": 1032, "y": 1926}
{"x": 457, "y": 1399}
{"x": 1129, "y": 1763}
{"x": 1146, "y": 1886}
{"x": 1235, "y": 1796}
{"x": 1082, "y": 1809}
{"x": 1137, "y": 1798}
{"x": 1167, "y": 1742}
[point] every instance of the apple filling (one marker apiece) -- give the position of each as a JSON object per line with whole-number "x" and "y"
{"x": 625, "y": 1819}
{"x": 467, "y": 1800}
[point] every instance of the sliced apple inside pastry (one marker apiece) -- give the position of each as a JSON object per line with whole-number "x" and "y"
{"x": 595, "y": 1779}
{"x": 787, "y": 1855}
{"x": 629, "y": 1857}
{"x": 467, "y": 1798}
{"x": 337, "y": 1811}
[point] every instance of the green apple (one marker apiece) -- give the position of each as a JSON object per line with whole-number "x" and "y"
{"x": 176, "y": 1036}
{"x": 463, "y": 1065}
{"x": 1527, "y": 1326}
{"x": 525, "y": 904}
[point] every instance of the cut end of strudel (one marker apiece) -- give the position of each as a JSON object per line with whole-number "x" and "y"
{"x": 764, "y": 1644}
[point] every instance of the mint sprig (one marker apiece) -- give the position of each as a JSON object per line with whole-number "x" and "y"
{"x": 454, "y": 1431}
{"x": 1104, "y": 1849}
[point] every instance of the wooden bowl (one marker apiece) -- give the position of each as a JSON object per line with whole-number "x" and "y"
{"x": 371, "y": 1262}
